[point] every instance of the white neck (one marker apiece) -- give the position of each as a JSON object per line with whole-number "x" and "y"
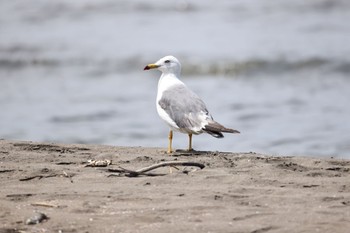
{"x": 166, "y": 81}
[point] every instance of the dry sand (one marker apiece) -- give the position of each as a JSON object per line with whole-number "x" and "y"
{"x": 235, "y": 192}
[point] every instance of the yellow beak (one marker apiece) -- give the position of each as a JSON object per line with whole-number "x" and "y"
{"x": 151, "y": 66}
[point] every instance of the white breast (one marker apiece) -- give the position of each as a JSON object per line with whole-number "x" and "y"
{"x": 164, "y": 83}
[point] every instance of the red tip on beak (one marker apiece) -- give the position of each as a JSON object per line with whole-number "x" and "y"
{"x": 151, "y": 66}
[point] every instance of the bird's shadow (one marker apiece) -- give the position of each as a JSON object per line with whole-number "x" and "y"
{"x": 180, "y": 152}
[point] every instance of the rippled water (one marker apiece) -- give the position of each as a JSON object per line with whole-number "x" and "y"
{"x": 71, "y": 71}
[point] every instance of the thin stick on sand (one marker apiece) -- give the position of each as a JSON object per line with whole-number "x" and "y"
{"x": 142, "y": 171}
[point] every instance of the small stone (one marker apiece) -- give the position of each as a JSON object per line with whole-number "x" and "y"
{"x": 37, "y": 218}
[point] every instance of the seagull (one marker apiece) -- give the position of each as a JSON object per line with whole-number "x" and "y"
{"x": 180, "y": 107}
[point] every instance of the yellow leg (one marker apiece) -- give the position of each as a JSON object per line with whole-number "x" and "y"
{"x": 190, "y": 142}
{"x": 170, "y": 137}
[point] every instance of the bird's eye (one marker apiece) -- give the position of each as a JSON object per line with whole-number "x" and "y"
{"x": 167, "y": 61}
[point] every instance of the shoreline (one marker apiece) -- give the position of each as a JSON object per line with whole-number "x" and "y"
{"x": 234, "y": 192}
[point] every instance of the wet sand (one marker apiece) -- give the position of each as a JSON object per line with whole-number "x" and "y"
{"x": 234, "y": 192}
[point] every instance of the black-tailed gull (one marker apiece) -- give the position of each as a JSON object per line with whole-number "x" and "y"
{"x": 180, "y": 107}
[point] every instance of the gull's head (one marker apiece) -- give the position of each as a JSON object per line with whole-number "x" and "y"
{"x": 167, "y": 64}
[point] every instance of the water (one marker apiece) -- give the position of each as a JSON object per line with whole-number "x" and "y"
{"x": 278, "y": 71}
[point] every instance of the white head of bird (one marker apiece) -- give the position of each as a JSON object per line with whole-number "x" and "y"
{"x": 167, "y": 64}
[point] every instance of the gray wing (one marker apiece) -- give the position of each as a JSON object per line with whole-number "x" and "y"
{"x": 183, "y": 106}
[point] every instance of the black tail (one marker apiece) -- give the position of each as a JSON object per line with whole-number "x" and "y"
{"x": 215, "y": 129}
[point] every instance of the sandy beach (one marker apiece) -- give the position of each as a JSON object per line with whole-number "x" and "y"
{"x": 234, "y": 192}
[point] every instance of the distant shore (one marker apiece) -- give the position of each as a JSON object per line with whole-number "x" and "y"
{"x": 234, "y": 192}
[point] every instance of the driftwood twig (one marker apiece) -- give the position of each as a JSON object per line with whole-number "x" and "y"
{"x": 48, "y": 176}
{"x": 37, "y": 176}
{"x": 45, "y": 204}
{"x": 142, "y": 171}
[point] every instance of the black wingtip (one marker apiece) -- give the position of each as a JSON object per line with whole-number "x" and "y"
{"x": 215, "y": 129}
{"x": 232, "y": 131}
{"x": 213, "y": 133}
{"x": 216, "y": 134}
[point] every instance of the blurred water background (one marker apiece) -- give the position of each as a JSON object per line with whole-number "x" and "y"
{"x": 72, "y": 71}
